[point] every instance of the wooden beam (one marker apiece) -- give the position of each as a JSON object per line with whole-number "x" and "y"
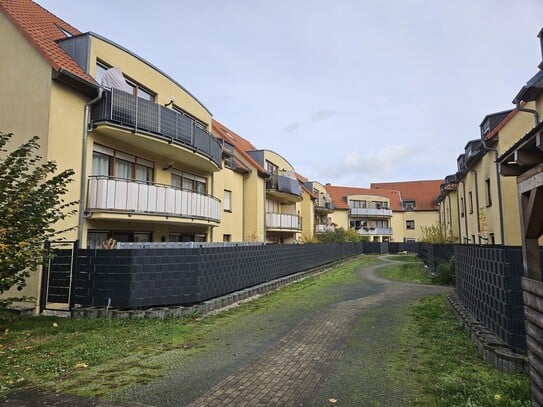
{"x": 532, "y": 202}
{"x": 511, "y": 170}
{"x": 530, "y": 179}
{"x": 528, "y": 158}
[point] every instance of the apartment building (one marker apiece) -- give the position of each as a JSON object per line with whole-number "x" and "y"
{"x": 478, "y": 203}
{"x": 419, "y": 208}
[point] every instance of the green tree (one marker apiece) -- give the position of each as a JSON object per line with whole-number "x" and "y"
{"x": 438, "y": 233}
{"x": 30, "y": 204}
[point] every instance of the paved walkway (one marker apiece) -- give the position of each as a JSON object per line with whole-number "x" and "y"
{"x": 333, "y": 356}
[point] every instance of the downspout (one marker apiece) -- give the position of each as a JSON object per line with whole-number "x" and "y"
{"x": 83, "y": 190}
{"x": 477, "y": 205}
{"x": 458, "y": 216}
{"x": 498, "y": 181}
{"x": 466, "y": 239}
{"x": 532, "y": 111}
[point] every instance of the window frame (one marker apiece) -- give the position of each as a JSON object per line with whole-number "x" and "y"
{"x": 488, "y": 192}
{"x": 227, "y": 208}
{"x": 410, "y": 224}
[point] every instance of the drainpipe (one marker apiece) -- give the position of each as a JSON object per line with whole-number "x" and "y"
{"x": 458, "y": 215}
{"x": 498, "y": 181}
{"x": 83, "y": 190}
{"x": 477, "y": 205}
{"x": 466, "y": 239}
{"x": 532, "y": 111}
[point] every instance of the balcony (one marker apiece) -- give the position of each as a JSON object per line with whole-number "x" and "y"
{"x": 283, "y": 221}
{"x": 371, "y": 212}
{"x": 324, "y": 205}
{"x": 324, "y": 228}
{"x": 117, "y": 195}
{"x": 126, "y": 111}
{"x": 374, "y": 231}
{"x": 284, "y": 187}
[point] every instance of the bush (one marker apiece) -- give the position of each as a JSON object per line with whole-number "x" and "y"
{"x": 445, "y": 273}
{"x": 341, "y": 235}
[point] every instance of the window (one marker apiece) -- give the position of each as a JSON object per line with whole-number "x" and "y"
{"x": 470, "y": 195}
{"x": 226, "y": 238}
{"x": 271, "y": 168}
{"x": 137, "y": 89}
{"x": 410, "y": 224}
{"x": 189, "y": 182}
{"x": 409, "y": 205}
{"x": 101, "y": 69}
{"x": 112, "y": 163}
{"x": 97, "y": 238}
{"x": 492, "y": 238}
{"x": 462, "y": 207}
{"x": 488, "y": 192}
{"x": 227, "y": 201}
{"x": 358, "y": 204}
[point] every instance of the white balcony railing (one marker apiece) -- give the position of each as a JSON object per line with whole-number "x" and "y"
{"x": 324, "y": 228}
{"x": 107, "y": 194}
{"x": 283, "y": 221}
{"x": 371, "y": 212}
{"x": 374, "y": 231}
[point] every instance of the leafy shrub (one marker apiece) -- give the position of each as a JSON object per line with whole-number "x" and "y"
{"x": 445, "y": 272}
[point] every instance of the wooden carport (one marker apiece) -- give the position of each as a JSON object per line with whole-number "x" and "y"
{"x": 525, "y": 161}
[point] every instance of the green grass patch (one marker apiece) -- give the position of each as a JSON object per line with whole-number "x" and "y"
{"x": 409, "y": 272}
{"x": 404, "y": 257}
{"x": 95, "y": 357}
{"x": 437, "y": 351}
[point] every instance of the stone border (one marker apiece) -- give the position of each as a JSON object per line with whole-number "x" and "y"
{"x": 207, "y": 307}
{"x": 492, "y": 349}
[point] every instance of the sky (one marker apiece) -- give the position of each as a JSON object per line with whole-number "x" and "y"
{"x": 349, "y": 92}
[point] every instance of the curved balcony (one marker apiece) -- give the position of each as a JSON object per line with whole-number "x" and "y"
{"x": 118, "y": 195}
{"x": 371, "y": 212}
{"x": 283, "y": 221}
{"x": 323, "y": 205}
{"x": 284, "y": 188}
{"x": 125, "y": 111}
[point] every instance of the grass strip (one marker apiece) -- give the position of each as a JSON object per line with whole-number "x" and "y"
{"x": 412, "y": 272}
{"x": 59, "y": 353}
{"x": 437, "y": 351}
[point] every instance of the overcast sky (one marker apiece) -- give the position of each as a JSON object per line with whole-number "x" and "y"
{"x": 349, "y": 92}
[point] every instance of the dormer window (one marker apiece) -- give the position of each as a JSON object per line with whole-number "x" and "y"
{"x": 66, "y": 33}
{"x": 409, "y": 205}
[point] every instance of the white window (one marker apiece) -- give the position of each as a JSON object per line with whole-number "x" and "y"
{"x": 227, "y": 201}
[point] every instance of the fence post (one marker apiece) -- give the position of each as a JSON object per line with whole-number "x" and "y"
{"x": 44, "y": 278}
{"x": 73, "y": 273}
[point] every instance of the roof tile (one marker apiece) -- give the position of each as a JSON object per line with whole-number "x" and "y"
{"x": 41, "y": 29}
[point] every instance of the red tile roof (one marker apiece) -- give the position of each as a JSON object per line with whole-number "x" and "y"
{"x": 339, "y": 195}
{"x": 41, "y": 29}
{"x": 240, "y": 144}
{"x": 424, "y": 193}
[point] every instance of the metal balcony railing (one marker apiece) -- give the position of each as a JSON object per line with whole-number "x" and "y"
{"x": 386, "y": 212}
{"x": 283, "y": 221}
{"x": 119, "y": 195}
{"x": 324, "y": 204}
{"x": 369, "y": 231}
{"x": 123, "y": 109}
{"x": 284, "y": 183}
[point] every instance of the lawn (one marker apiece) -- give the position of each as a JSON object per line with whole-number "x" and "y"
{"x": 411, "y": 272}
